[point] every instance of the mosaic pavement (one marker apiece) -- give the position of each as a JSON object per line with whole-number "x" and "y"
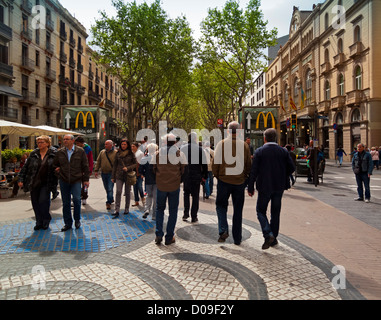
{"x": 118, "y": 259}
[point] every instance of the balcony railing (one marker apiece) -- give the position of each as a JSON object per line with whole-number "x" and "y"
{"x": 5, "y": 32}
{"x": 26, "y": 33}
{"x": 50, "y": 47}
{"x": 63, "y": 57}
{"x": 50, "y": 24}
{"x": 27, "y": 64}
{"x": 325, "y": 67}
{"x": 26, "y": 6}
{"x": 91, "y": 75}
{"x": 72, "y": 42}
{"x": 80, "y": 67}
{"x": 51, "y": 103}
{"x": 338, "y": 59}
{"x": 50, "y": 74}
{"x": 63, "y": 81}
{"x": 9, "y": 113}
{"x": 355, "y": 49}
{"x": 28, "y": 97}
{"x": 323, "y": 106}
{"x": 80, "y": 48}
{"x": 63, "y": 35}
{"x": 72, "y": 63}
{"x": 6, "y": 70}
{"x": 354, "y": 97}
{"x": 337, "y": 102}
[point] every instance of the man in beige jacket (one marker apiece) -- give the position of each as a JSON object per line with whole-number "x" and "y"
{"x": 231, "y": 166}
{"x": 105, "y": 163}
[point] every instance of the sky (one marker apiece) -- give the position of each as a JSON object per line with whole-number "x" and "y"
{"x": 277, "y": 12}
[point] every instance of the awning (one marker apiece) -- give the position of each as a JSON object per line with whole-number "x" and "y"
{"x": 9, "y": 91}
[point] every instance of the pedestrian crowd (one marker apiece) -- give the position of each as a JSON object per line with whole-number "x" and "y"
{"x": 163, "y": 169}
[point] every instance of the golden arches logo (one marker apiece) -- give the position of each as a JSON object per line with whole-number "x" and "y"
{"x": 265, "y": 119}
{"x": 84, "y": 117}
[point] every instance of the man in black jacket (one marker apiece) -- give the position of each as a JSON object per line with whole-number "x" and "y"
{"x": 195, "y": 172}
{"x": 271, "y": 168}
{"x": 72, "y": 168}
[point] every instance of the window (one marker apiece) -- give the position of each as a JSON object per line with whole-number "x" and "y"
{"x": 285, "y": 101}
{"x": 341, "y": 85}
{"x": 326, "y": 21}
{"x": 340, "y": 45}
{"x": 339, "y": 118}
{"x": 358, "y": 78}
{"x": 296, "y": 91}
{"x": 308, "y": 88}
{"x": 37, "y": 58}
{"x": 326, "y": 55}
{"x": 37, "y": 88}
{"x": 356, "y": 115}
{"x": 327, "y": 90}
{"x": 357, "y": 34}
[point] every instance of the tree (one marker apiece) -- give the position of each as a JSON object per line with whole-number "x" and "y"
{"x": 233, "y": 43}
{"x": 147, "y": 51}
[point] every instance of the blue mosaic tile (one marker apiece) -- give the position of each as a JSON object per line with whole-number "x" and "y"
{"x": 98, "y": 232}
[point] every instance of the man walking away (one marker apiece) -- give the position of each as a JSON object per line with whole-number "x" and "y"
{"x": 362, "y": 166}
{"x": 80, "y": 142}
{"x": 195, "y": 172}
{"x": 169, "y": 167}
{"x": 72, "y": 167}
{"x": 231, "y": 167}
{"x": 270, "y": 171}
{"x": 105, "y": 163}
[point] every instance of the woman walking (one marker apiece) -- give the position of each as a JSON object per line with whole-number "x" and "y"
{"x": 375, "y": 157}
{"x": 38, "y": 177}
{"x": 123, "y": 174}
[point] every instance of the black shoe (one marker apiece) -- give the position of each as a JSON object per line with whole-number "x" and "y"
{"x": 168, "y": 242}
{"x": 145, "y": 215}
{"x": 126, "y": 212}
{"x": 66, "y": 228}
{"x": 158, "y": 240}
{"x": 77, "y": 224}
{"x": 185, "y": 217}
{"x": 223, "y": 237}
{"x": 194, "y": 220}
{"x": 37, "y": 227}
{"x": 359, "y": 199}
{"x": 115, "y": 215}
{"x": 268, "y": 241}
{"x": 274, "y": 243}
{"x": 45, "y": 226}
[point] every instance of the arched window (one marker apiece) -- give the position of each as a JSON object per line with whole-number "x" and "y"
{"x": 341, "y": 84}
{"x": 339, "y": 118}
{"x": 296, "y": 91}
{"x": 326, "y": 21}
{"x": 285, "y": 100}
{"x": 357, "y": 34}
{"x": 340, "y": 45}
{"x": 327, "y": 90}
{"x": 358, "y": 78}
{"x": 308, "y": 88}
{"x": 356, "y": 115}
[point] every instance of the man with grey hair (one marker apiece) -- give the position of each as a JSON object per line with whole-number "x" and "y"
{"x": 105, "y": 163}
{"x": 72, "y": 167}
{"x": 231, "y": 167}
{"x": 270, "y": 171}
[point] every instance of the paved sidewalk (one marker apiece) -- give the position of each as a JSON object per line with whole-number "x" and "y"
{"x": 117, "y": 259}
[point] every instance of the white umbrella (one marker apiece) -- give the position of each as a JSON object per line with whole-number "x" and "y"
{"x": 9, "y": 127}
{"x": 53, "y": 131}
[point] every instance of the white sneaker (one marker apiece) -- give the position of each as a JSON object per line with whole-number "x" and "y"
{"x": 367, "y": 200}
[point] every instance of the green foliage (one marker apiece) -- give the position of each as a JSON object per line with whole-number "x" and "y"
{"x": 8, "y": 154}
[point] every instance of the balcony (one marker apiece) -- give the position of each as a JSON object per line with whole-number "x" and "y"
{"x": 97, "y": 79}
{"x": 49, "y": 24}
{"x": 81, "y": 90}
{"x": 26, "y": 6}
{"x": 339, "y": 60}
{"x": 355, "y": 97}
{"x": 109, "y": 103}
{"x": 323, "y": 106}
{"x": 80, "y": 48}
{"x": 50, "y": 75}
{"x": 8, "y": 113}
{"x": 91, "y": 75}
{"x": 80, "y": 67}
{"x": 28, "y": 97}
{"x": 95, "y": 96}
{"x": 355, "y": 49}
{"x": 26, "y": 120}
{"x": 27, "y": 64}
{"x": 72, "y": 42}
{"x": 63, "y": 57}
{"x": 63, "y": 35}
{"x": 5, "y": 32}
{"x": 6, "y": 71}
{"x": 65, "y": 82}
{"x": 51, "y": 103}
{"x": 50, "y": 48}
{"x": 72, "y": 63}
{"x": 325, "y": 68}
{"x": 26, "y": 33}
{"x": 337, "y": 102}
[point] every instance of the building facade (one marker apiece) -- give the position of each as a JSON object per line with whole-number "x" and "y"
{"x": 328, "y": 68}
{"x": 46, "y": 64}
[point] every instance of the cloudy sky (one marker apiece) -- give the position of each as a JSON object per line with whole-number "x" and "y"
{"x": 277, "y": 12}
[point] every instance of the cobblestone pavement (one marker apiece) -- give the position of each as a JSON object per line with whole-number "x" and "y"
{"x": 118, "y": 259}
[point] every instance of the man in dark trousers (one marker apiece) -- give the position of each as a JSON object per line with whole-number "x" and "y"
{"x": 195, "y": 172}
{"x": 270, "y": 171}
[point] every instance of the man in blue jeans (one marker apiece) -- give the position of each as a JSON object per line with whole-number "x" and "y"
{"x": 169, "y": 168}
{"x": 362, "y": 165}
{"x": 231, "y": 167}
{"x": 270, "y": 171}
{"x": 105, "y": 163}
{"x": 72, "y": 167}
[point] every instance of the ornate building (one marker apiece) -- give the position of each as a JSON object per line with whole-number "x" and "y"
{"x": 332, "y": 57}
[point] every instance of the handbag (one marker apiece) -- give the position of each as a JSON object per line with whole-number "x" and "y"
{"x": 131, "y": 178}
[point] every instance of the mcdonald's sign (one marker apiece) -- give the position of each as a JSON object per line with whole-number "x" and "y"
{"x": 84, "y": 118}
{"x": 265, "y": 119}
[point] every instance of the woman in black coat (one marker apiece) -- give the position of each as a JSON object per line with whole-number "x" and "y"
{"x": 38, "y": 177}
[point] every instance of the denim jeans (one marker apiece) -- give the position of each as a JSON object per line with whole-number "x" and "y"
{"x": 173, "y": 203}
{"x": 363, "y": 181}
{"x": 138, "y": 188}
{"x": 109, "y": 187}
{"x": 69, "y": 191}
{"x": 41, "y": 205}
{"x": 224, "y": 190}
{"x": 263, "y": 200}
